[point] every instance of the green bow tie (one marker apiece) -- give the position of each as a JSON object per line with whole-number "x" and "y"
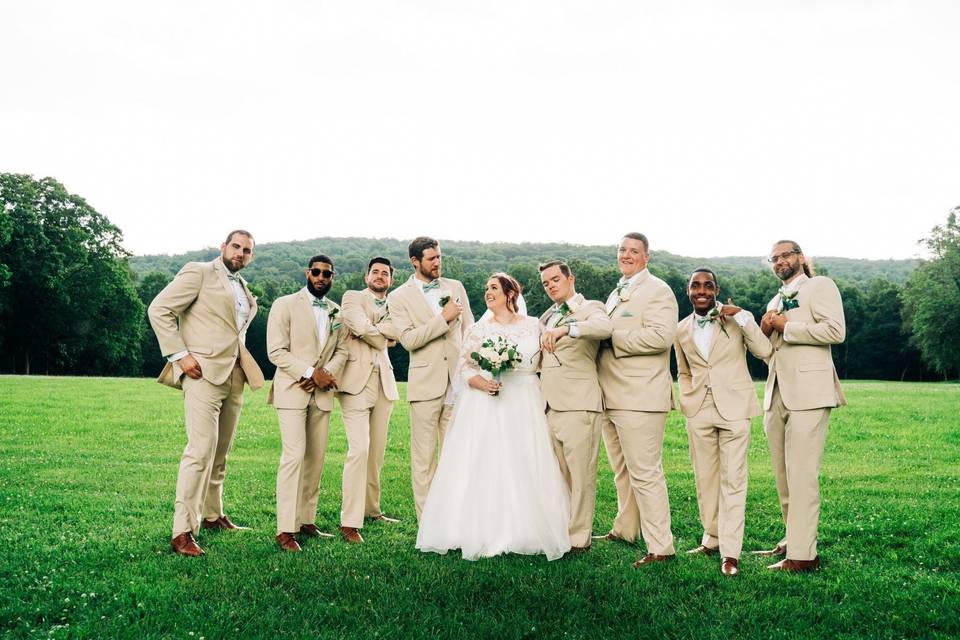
{"x": 379, "y": 302}
{"x": 702, "y": 322}
{"x": 319, "y": 302}
{"x": 433, "y": 284}
{"x": 235, "y": 277}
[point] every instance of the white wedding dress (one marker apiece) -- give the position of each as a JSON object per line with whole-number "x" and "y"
{"x": 498, "y": 487}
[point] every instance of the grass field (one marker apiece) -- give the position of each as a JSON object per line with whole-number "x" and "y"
{"x": 87, "y": 473}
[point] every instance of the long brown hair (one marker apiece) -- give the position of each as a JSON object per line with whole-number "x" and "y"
{"x": 511, "y": 288}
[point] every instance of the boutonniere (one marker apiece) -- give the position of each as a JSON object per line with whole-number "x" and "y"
{"x": 714, "y": 316}
{"x": 788, "y": 300}
{"x": 622, "y": 294}
{"x": 567, "y": 308}
{"x": 445, "y": 298}
{"x": 333, "y": 317}
{"x": 626, "y": 314}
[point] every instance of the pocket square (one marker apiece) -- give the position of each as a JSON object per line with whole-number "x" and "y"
{"x": 626, "y": 314}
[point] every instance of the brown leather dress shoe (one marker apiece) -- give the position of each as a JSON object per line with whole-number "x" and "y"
{"x": 610, "y": 536}
{"x": 351, "y": 534}
{"x": 288, "y": 542}
{"x": 702, "y": 550}
{"x": 651, "y": 558}
{"x": 385, "y": 518}
{"x": 796, "y": 566}
{"x": 313, "y": 531}
{"x": 729, "y": 566}
{"x": 186, "y": 545}
{"x": 221, "y": 523}
{"x": 778, "y": 550}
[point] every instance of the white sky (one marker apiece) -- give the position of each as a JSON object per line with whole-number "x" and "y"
{"x": 713, "y": 127}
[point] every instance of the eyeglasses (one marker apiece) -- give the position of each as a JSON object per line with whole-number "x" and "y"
{"x": 781, "y": 256}
{"x": 326, "y": 273}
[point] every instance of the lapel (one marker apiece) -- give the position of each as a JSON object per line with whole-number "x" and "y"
{"x": 304, "y": 314}
{"x": 630, "y": 290}
{"x": 418, "y": 300}
{"x": 231, "y": 314}
{"x": 685, "y": 331}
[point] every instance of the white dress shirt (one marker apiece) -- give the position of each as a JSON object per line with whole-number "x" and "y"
{"x": 703, "y": 336}
{"x": 323, "y": 321}
{"x": 432, "y": 296}
{"x": 614, "y": 298}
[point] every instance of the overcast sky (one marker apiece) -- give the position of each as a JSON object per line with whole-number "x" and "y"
{"x": 713, "y": 127}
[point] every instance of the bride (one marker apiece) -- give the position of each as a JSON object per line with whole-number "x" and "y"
{"x": 498, "y": 487}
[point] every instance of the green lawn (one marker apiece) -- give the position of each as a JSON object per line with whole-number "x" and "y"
{"x": 87, "y": 473}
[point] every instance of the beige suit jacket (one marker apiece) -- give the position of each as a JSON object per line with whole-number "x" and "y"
{"x": 434, "y": 345}
{"x": 294, "y": 346}
{"x": 802, "y": 362}
{"x": 369, "y": 329}
{"x": 568, "y": 376}
{"x": 634, "y": 366}
{"x": 724, "y": 370}
{"x": 203, "y": 300}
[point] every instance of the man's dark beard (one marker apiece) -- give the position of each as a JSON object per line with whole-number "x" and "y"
{"x": 228, "y": 265}
{"x": 318, "y": 293}
{"x": 426, "y": 274}
{"x": 787, "y": 276}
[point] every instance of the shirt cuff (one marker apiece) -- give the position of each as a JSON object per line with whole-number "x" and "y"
{"x": 742, "y": 317}
{"x": 308, "y": 372}
{"x": 177, "y": 356}
{"x": 574, "y": 329}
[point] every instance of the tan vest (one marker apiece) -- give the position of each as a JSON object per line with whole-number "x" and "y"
{"x": 370, "y": 329}
{"x": 434, "y": 346}
{"x": 568, "y": 376}
{"x": 293, "y": 345}
{"x": 724, "y": 371}
{"x": 802, "y": 363}
{"x": 634, "y": 366}
{"x": 201, "y": 298}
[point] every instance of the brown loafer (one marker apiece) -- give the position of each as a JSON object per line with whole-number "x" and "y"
{"x": 288, "y": 542}
{"x": 703, "y": 550}
{"x": 796, "y": 566}
{"x": 186, "y": 545}
{"x": 779, "y": 550}
{"x": 651, "y": 558}
{"x": 385, "y": 518}
{"x": 313, "y": 531}
{"x": 729, "y": 566}
{"x": 351, "y": 534}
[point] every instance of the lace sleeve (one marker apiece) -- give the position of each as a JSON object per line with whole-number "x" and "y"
{"x": 471, "y": 342}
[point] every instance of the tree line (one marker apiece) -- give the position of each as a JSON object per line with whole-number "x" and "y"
{"x": 73, "y": 300}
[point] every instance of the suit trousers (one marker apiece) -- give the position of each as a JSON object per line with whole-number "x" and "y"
{"x": 634, "y": 443}
{"x": 718, "y": 452}
{"x": 576, "y": 443}
{"x": 366, "y": 416}
{"x": 303, "y": 434}
{"x": 428, "y": 426}
{"x": 796, "y": 440}
{"x": 211, "y": 414}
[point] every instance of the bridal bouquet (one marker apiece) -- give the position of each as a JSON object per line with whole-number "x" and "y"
{"x": 496, "y": 355}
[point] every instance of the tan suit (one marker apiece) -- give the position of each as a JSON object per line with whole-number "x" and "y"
{"x": 568, "y": 378}
{"x": 196, "y": 312}
{"x": 718, "y": 398}
{"x": 294, "y": 345}
{"x": 434, "y": 348}
{"x": 802, "y": 387}
{"x": 367, "y": 392}
{"x": 634, "y": 373}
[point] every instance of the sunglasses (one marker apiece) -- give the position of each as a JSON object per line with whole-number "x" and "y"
{"x": 326, "y": 273}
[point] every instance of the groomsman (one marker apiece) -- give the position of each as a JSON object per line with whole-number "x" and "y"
{"x": 802, "y": 321}
{"x": 201, "y": 321}
{"x": 571, "y": 333}
{"x": 634, "y": 374}
{"x": 718, "y": 398}
{"x": 306, "y": 340}
{"x": 432, "y": 333}
{"x": 367, "y": 390}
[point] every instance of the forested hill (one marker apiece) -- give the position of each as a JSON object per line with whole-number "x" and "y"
{"x": 285, "y": 259}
